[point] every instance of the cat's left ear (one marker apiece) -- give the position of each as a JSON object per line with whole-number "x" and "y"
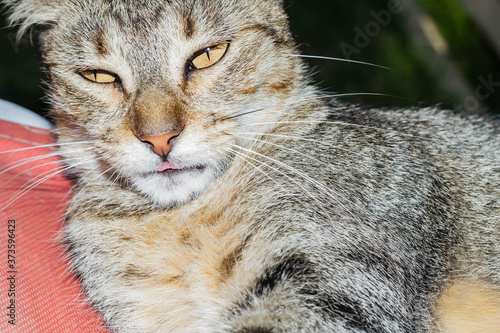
{"x": 27, "y": 13}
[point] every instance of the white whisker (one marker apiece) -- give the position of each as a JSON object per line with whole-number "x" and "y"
{"x": 26, "y": 188}
{"x": 84, "y": 188}
{"x": 341, "y": 123}
{"x": 82, "y": 178}
{"x": 322, "y": 187}
{"x": 44, "y": 146}
{"x": 28, "y": 160}
{"x": 337, "y": 59}
{"x": 302, "y": 100}
{"x": 41, "y": 165}
{"x": 304, "y": 139}
{"x": 309, "y": 194}
{"x": 109, "y": 188}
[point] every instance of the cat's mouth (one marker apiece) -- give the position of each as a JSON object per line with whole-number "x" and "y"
{"x": 175, "y": 182}
{"x": 169, "y": 166}
{"x": 172, "y": 169}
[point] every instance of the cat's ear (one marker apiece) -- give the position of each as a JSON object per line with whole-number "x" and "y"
{"x": 280, "y": 3}
{"x": 27, "y": 13}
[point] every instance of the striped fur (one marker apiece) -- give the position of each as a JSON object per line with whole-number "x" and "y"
{"x": 293, "y": 212}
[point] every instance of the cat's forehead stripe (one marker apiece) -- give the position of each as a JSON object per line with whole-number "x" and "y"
{"x": 268, "y": 30}
{"x": 144, "y": 18}
{"x": 100, "y": 43}
{"x": 189, "y": 27}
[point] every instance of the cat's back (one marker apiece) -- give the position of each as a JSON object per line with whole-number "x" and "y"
{"x": 434, "y": 171}
{"x": 411, "y": 192}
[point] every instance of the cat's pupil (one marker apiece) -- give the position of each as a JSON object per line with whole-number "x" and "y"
{"x": 209, "y": 56}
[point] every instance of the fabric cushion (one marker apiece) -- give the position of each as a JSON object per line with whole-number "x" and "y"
{"x": 34, "y": 194}
{"x": 20, "y": 115}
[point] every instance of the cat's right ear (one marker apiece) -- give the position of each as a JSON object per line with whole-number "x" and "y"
{"x": 280, "y": 3}
{"x": 28, "y": 13}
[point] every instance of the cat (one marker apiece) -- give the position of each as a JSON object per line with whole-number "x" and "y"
{"x": 217, "y": 190}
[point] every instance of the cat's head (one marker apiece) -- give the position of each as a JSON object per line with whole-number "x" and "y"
{"x": 161, "y": 90}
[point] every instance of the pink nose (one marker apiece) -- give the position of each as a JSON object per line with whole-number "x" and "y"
{"x": 160, "y": 142}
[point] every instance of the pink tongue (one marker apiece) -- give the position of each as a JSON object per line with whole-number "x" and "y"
{"x": 168, "y": 166}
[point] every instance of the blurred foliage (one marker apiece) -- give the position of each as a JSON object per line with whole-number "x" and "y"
{"x": 323, "y": 25}
{"x": 20, "y": 77}
{"x": 468, "y": 46}
{"x": 320, "y": 27}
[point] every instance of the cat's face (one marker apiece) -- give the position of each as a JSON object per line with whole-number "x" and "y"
{"x": 154, "y": 85}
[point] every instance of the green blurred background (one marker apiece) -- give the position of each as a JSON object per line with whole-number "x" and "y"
{"x": 439, "y": 53}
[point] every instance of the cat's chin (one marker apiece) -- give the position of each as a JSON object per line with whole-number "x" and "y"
{"x": 174, "y": 187}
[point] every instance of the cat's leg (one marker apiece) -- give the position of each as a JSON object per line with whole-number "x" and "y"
{"x": 296, "y": 295}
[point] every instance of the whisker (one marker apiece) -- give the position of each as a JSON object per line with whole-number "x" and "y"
{"x": 309, "y": 194}
{"x": 44, "y": 146}
{"x": 39, "y": 166}
{"x": 26, "y": 188}
{"x": 60, "y": 167}
{"x": 240, "y": 114}
{"x": 83, "y": 189}
{"x": 307, "y": 156}
{"x": 246, "y": 159}
{"x": 299, "y": 153}
{"x": 81, "y": 178}
{"x": 289, "y": 149}
{"x": 295, "y": 102}
{"x": 304, "y": 139}
{"x": 344, "y": 124}
{"x": 22, "y": 162}
{"x": 325, "y": 189}
{"x": 109, "y": 188}
{"x": 337, "y": 59}
{"x": 316, "y": 97}
{"x": 364, "y": 94}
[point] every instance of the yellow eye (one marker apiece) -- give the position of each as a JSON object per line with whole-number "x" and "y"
{"x": 99, "y": 76}
{"x": 210, "y": 56}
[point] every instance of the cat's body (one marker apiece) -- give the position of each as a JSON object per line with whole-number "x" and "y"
{"x": 275, "y": 210}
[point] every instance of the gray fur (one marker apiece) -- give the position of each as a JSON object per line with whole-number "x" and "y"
{"x": 323, "y": 216}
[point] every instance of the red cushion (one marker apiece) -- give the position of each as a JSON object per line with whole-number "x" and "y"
{"x": 48, "y": 298}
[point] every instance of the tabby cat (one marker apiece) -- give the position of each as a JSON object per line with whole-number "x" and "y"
{"x": 218, "y": 191}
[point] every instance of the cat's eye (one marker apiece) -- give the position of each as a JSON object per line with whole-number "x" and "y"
{"x": 99, "y": 76}
{"x": 209, "y": 56}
